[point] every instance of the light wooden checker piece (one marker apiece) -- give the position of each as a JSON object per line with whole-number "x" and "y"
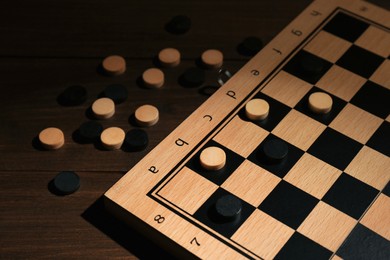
{"x": 114, "y": 65}
{"x": 146, "y": 115}
{"x": 153, "y": 78}
{"x": 51, "y": 138}
{"x": 212, "y": 58}
{"x": 103, "y": 108}
{"x": 112, "y": 138}
{"x": 328, "y": 189}
{"x": 169, "y": 57}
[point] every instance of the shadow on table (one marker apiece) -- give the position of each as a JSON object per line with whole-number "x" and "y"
{"x": 125, "y": 236}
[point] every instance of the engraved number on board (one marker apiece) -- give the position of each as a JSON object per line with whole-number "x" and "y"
{"x": 159, "y": 219}
{"x": 255, "y": 72}
{"x": 296, "y": 32}
{"x": 195, "y": 240}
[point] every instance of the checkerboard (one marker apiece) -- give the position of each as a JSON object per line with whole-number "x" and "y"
{"x": 330, "y": 196}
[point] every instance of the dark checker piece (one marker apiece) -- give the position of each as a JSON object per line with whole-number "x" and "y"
{"x": 237, "y": 214}
{"x": 136, "y": 140}
{"x": 288, "y": 204}
{"x": 66, "y": 182}
{"x": 178, "y": 24}
{"x": 228, "y": 207}
{"x": 90, "y": 131}
{"x": 280, "y": 159}
{"x": 73, "y": 96}
{"x": 373, "y": 98}
{"x": 301, "y": 247}
{"x": 250, "y": 46}
{"x": 117, "y": 92}
{"x": 275, "y": 150}
{"x": 346, "y": 27}
{"x": 350, "y": 195}
{"x": 363, "y": 243}
{"x": 192, "y": 77}
{"x": 335, "y": 148}
{"x": 360, "y": 61}
{"x": 307, "y": 66}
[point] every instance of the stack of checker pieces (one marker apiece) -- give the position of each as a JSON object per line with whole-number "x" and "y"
{"x": 330, "y": 196}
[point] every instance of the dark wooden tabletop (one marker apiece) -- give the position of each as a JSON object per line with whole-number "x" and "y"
{"x": 46, "y": 46}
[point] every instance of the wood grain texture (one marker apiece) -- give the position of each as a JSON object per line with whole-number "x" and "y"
{"x": 47, "y": 46}
{"x": 135, "y": 199}
{"x": 377, "y": 217}
{"x": 299, "y": 130}
{"x": 331, "y": 226}
{"x": 189, "y": 190}
{"x": 261, "y": 223}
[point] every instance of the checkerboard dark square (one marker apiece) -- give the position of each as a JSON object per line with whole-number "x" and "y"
{"x": 279, "y": 169}
{"x": 301, "y": 247}
{"x": 360, "y": 61}
{"x": 380, "y": 140}
{"x": 350, "y": 195}
{"x": 386, "y": 190}
{"x": 277, "y": 112}
{"x": 299, "y": 64}
{"x": 218, "y": 177}
{"x": 288, "y": 204}
{"x": 326, "y": 119}
{"x": 363, "y": 243}
{"x": 346, "y": 27}
{"x": 373, "y": 98}
{"x": 335, "y": 148}
{"x": 207, "y": 214}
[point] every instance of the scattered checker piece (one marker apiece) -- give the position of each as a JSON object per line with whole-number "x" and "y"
{"x": 114, "y": 65}
{"x": 169, "y": 57}
{"x": 52, "y": 138}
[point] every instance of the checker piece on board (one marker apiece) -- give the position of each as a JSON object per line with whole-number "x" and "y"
{"x": 320, "y": 103}
{"x": 257, "y": 109}
{"x": 228, "y": 208}
{"x": 212, "y": 158}
{"x": 275, "y": 151}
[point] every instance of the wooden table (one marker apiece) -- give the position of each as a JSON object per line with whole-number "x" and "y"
{"x": 47, "y": 46}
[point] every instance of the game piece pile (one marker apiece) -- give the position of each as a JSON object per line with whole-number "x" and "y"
{"x": 103, "y": 108}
